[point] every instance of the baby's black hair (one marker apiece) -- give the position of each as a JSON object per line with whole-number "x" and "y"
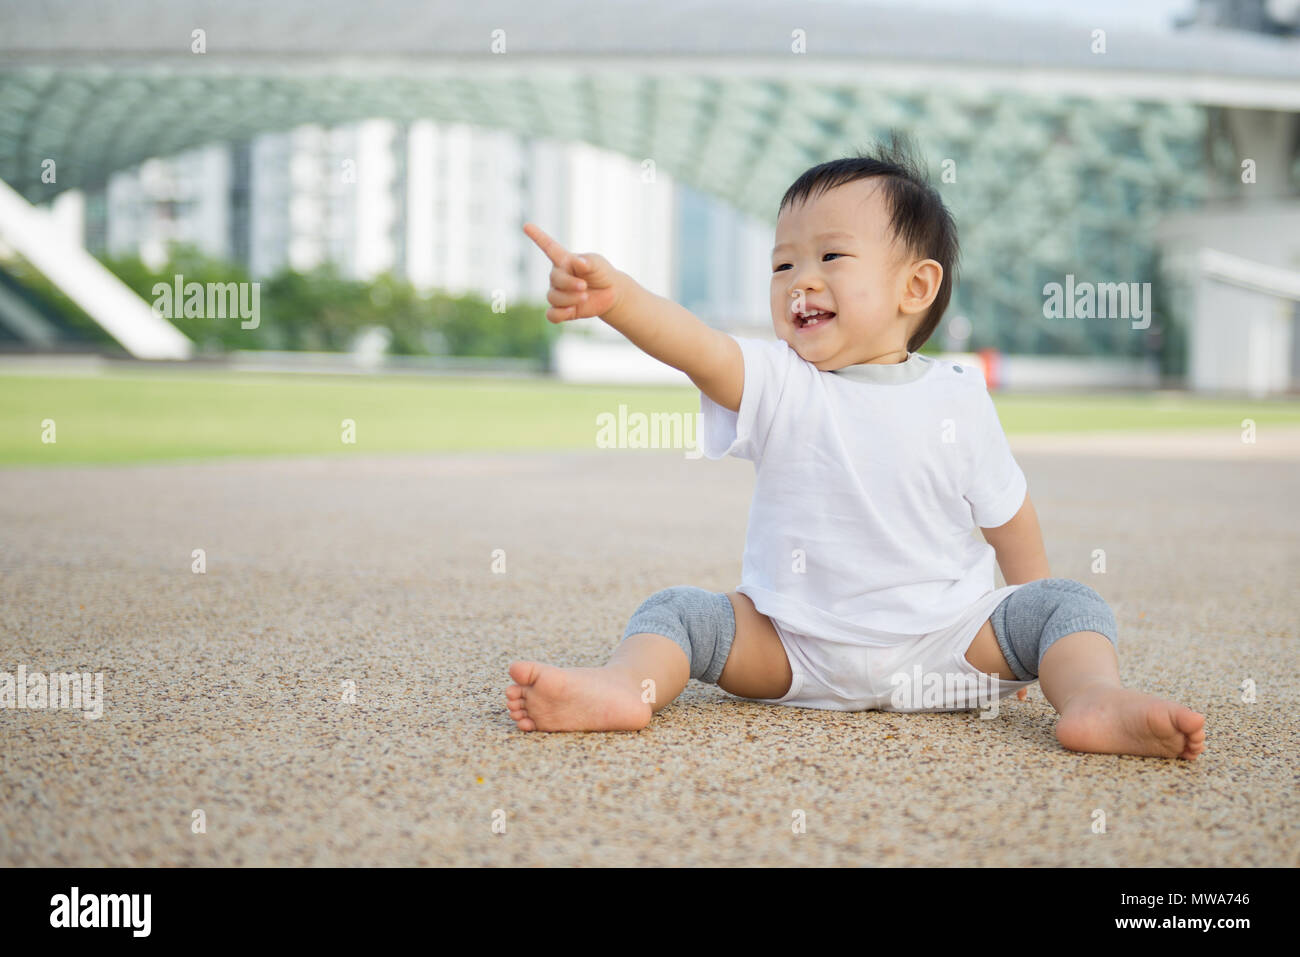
{"x": 918, "y": 216}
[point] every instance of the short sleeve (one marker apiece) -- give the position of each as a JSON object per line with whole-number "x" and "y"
{"x": 996, "y": 487}
{"x": 744, "y": 433}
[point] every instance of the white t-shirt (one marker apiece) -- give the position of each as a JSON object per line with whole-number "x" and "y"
{"x": 869, "y": 483}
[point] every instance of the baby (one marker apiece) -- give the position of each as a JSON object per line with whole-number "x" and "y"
{"x": 863, "y": 585}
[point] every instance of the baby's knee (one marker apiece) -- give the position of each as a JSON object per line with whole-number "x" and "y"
{"x": 1039, "y": 613}
{"x": 701, "y": 622}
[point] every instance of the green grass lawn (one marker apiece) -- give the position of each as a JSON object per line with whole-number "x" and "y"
{"x": 160, "y": 416}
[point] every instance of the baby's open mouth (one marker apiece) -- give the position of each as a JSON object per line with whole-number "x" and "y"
{"x": 812, "y": 319}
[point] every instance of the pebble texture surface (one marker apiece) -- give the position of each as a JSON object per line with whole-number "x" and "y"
{"x": 224, "y": 692}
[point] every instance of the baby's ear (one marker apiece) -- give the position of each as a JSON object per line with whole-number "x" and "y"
{"x": 927, "y": 277}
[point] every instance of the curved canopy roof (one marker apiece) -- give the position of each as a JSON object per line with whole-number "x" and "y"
{"x": 1062, "y": 157}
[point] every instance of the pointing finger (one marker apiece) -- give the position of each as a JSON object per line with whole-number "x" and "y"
{"x": 554, "y": 251}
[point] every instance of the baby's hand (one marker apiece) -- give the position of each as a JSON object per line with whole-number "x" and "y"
{"x": 581, "y": 286}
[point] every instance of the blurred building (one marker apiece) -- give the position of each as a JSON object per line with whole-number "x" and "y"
{"x": 1069, "y": 150}
{"x": 441, "y": 205}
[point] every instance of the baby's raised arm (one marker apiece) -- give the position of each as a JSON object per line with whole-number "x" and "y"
{"x": 587, "y": 285}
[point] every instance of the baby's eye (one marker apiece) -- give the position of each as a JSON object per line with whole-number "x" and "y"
{"x": 787, "y": 265}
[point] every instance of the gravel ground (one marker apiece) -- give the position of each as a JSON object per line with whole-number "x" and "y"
{"x": 224, "y": 692}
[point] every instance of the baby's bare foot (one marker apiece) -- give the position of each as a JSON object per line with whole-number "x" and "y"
{"x": 1111, "y": 720}
{"x": 547, "y": 698}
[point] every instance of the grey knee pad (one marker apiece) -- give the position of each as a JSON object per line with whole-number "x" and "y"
{"x": 702, "y": 622}
{"x": 1034, "y": 616}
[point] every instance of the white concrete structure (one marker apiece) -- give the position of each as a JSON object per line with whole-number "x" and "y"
{"x": 1244, "y": 333}
{"x": 601, "y": 359}
{"x": 103, "y": 297}
{"x": 609, "y": 359}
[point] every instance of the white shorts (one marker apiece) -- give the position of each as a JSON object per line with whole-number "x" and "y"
{"x": 920, "y": 673}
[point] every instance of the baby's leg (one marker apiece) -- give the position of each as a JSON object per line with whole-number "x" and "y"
{"x": 676, "y": 634}
{"x": 1045, "y": 629}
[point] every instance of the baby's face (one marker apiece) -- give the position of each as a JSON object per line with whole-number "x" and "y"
{"x": 835, "y": 254}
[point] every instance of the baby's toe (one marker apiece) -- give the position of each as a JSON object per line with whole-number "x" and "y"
{"x": 525, "y": 672}
{"x": 1190, "y": 722}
